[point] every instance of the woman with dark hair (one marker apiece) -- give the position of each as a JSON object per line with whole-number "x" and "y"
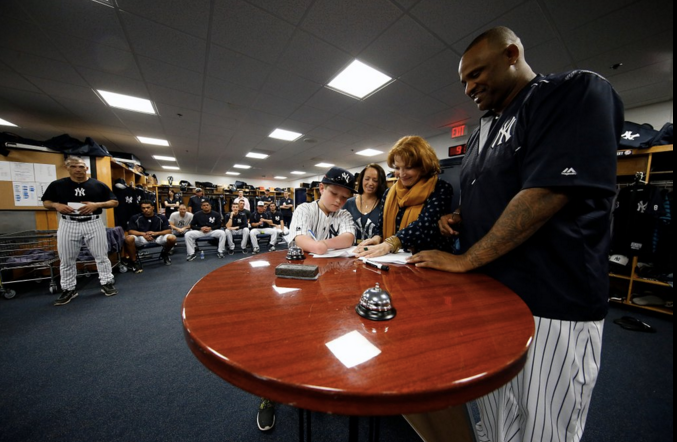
{"x": 412, "y": 207}
{"x": 171, "y": 203}
{"x": 366, "y": 207}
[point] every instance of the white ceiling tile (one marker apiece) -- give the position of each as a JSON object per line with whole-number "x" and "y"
{"x": 170, "y": 76}
{"x": 191, "y": 17}
{"x": 237, "y": 68}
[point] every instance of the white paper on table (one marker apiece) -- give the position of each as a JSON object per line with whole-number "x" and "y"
{"x": 337, "y": 253}
{"x": 391, "y": 258}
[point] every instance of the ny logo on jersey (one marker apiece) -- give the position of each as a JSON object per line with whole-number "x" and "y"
{"x": 332, "y": 232}
{"x": 79, "y": 192}
{"x": 628, "y": 135}
{"x": 505, "y": 133}
{"x": 641, "y": 207}
{"x": 212, "y": 220}
{"x": 129, "y": 199}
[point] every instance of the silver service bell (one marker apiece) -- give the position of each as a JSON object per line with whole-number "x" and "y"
{"x": 375, "y": 304}
{"x": 295, "y": 253}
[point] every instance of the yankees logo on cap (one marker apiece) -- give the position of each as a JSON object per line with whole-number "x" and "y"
{"x": 340, "y": 177}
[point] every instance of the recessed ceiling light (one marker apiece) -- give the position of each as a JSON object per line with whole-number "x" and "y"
{"x": 161, "y": 158}
{"x": 241, "y": 166}
{"x": 359, "y": 80}
{"x": 232, "y": 173}
{"x": 286, "y": 135}
{"x": 155, "y": 141}
{"x": 280, "y": 177}
{"x": 296, "y": 172}
{"x": 171, "y": 167}
{"x": 127, "y": 102}
{"x": 6, "y": 123}
{"x": 324, "y": 165}
{"x": 259, "y": 156}
{"x": 369, "y": 152}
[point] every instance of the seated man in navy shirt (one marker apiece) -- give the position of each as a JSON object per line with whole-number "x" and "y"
{"x": 237, "y": 224}
{"x": 146, "y": 228}
{"x": 206, "y": 224}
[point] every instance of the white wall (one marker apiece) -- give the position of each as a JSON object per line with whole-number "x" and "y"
{"x": 655, "y": 114}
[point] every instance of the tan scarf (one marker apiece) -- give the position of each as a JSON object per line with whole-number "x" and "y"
{"x": 413, "y": 199}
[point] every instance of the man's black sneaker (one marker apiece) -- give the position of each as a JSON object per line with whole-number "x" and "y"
{"x": 191, "y": 257}
{"x": 109, "y": 289}
{"x": 136, "y": 267}
{"x": 231, "y": 251}
{"x": 265, "y": 418}
{"x": 244, "y": 251}
{"x": 66, "y": 297}
{"x": 220, "y": 255}
{"x": 165, "y": 257}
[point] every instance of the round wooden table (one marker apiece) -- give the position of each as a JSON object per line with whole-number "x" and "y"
{"x": 455, "y": 337}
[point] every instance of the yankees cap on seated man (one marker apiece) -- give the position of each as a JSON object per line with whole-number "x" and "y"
{"x": 340, "y": 177}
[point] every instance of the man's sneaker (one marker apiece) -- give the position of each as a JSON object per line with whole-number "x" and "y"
{"x": 109, "y": 289}
{"x": 271, "y": 248}
{"x": 171, "y": 251}
{"x": 66, "y": 297}
{"x": 136, "y": 267}
{"x": 244, "y": 251}
{"x": 219, "y": 255}
{"x": 231, "y": 251}
{"x": 191, "y": 257}
{"x": 165, "y": 257}
{"x": 255, "y": 250}
{"x": 265, "y": 418}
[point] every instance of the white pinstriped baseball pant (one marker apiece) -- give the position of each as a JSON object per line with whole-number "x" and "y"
{"x": 548, "y": 400}
{"x": 69, "y": 238}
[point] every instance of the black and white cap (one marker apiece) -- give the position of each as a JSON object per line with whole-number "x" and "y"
{"x": 340, "y": 177}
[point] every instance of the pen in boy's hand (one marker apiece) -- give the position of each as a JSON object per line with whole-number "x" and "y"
{"x": 312, "y": 235}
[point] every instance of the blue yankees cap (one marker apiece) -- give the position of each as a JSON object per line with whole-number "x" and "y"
{"x": 340, "y": 177}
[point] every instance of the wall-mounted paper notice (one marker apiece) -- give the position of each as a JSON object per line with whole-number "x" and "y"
{"x": 5, "y": 174}
{"x": 22, "y": 172}
{"x": 45, "y": 172}
{"x": 25, "y": 194}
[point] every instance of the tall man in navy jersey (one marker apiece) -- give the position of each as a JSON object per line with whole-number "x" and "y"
{"x": 79, "y": 200}
{"x": 537, "y": 185}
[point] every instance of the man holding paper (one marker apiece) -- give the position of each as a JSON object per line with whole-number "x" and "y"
{"x": 323, "y": 225}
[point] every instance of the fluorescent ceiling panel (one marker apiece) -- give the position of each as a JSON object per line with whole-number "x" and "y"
{"x": 232, "y": 173}
{"x": 359, "y": 80}
{"x": 171, "y": 168}
{"x": 162, "y": 158}
{"x": 280, "y": 177}
{"x": 241, "y": 166}
{"x": 286, "y": 135}
{"x": 154, "y": 141}
{"x": 127, "y": 102}
{"x": 324, "y": 165}
{"x": 259, "y": 156}
{"x": 296, "y": 172}
{"x": 369, "y": 152}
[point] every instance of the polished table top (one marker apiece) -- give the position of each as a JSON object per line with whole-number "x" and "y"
{"x": 455, "y": 336}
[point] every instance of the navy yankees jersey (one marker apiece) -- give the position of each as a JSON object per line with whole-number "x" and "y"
{"x": 239, "y": 220}
{"x": 202, "y": 219}
{"x": 256, "y": 217}
{"x": 155, "y": 223}
{"x": 276, "y": 217}
{"x": 65, "y": 191}
{"x": 283, "y": 202}
{"x": 195, "y": 203}
{"x": 561, "y": 131}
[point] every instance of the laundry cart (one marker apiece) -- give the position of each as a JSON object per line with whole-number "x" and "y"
{"x": 28, "y": 255}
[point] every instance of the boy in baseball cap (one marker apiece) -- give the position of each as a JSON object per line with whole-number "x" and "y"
{"x": 322, "y": 225}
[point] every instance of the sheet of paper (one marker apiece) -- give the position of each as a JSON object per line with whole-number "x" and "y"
{"x": 22, "y": 172}
{"x": 45, "y": 172}
{"x": 25, "y": 194}
{"x": 5, "y": 174}
{"x": 75, "y": 206}
{"x": 392, "y": 258}
{"x": 337, "y": 253}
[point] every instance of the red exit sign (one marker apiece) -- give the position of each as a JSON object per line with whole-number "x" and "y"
{"x": 458, "y": 131}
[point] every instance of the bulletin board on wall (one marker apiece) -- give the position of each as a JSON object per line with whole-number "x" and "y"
{"x": 24, "y": 174}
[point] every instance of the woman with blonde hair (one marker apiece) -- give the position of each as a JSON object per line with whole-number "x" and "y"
{"x": 413, "y": 205}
